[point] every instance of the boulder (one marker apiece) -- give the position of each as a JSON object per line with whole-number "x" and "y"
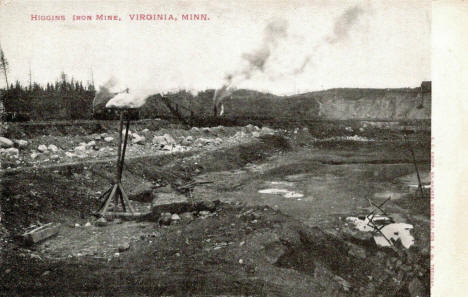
{"x": 21, "y": 143}
{"x": 101, "y": 222}
{"x": 187, "y": 216}
{"x": 108, "y": 139}
{"x": 5, "y": 142}
{"x": 268, "y": 131}
{"x": 250, "y": 128}
{"x": 165, "y": 218}
{"x": 137, "y": 139}
{"x": 70, "y": 155}
{"x": 175, "y": 218}
{"x": 169, "y": 139}
{"x": 42, "y": 148}
{"x": 52, "y": 148}
{"x": 162, "y": 141}
{"x": 202, "y": 142}
{"x": 12, "y": 151}
{"x": 124, "y": 247}
{"x": 80, "y": 148}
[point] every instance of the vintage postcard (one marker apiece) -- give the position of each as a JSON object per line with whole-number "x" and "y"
{"x": 219, "y": 148}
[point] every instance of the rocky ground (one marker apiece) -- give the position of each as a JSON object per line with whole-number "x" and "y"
{"x": 255, "y": 213}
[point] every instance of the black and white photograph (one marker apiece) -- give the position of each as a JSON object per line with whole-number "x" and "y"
{"x": 216, "y": 148}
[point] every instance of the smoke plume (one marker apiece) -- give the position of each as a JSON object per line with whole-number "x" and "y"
{"x": 273, "y": 33}
{"x": 344, "y": 23}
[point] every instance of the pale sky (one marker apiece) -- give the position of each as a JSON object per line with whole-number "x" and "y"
{"x": 327, "y": 44}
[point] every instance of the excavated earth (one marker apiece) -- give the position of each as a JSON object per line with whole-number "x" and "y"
{"x": 237, "y": 233}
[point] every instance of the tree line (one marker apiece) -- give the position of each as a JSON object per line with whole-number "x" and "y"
{"x": 63, "y": 99}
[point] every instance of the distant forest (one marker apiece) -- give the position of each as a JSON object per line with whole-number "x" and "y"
{"x": 64, "y": 99}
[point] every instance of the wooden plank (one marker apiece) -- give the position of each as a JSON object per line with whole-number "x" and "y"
{"x": 41, "y": 233}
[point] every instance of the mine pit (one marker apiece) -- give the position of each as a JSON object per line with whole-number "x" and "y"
{"x": 237, "y": 210}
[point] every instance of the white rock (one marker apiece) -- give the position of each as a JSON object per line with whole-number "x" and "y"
{"x": 138, "y": 139}
{"x": 91, "y": 143}
{"x": 12, "y": 151}
{"x": 70, "y": 155}
{"x": 88, "y": 224}
{"x": 34, "y": 155}
{"x": 52, "y": 148}
{"x": 80, "y": 148}
{"x": 5, "y": 142}
{"x": 145, "y": 130}
{"x": 169, "y": 139}
{"x": 42, "y": 148}
{"x": 175, "y": 217}
{"x": 266, "y": 130}
{"x": 21, "y": 143}
{"x": 54, "y": 157}
{"x": 109, "y": 139}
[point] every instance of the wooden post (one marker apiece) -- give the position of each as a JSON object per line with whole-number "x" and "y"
{"x": 117, "y": 192}
{"x": 119, "y": 150}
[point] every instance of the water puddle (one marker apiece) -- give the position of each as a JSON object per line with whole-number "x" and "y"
{"x": 283, "y": 192}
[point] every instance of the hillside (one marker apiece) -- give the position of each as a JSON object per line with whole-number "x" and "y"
{"x": 333, "y": 104}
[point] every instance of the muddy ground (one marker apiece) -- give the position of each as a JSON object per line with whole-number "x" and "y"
{"x": 294, "y": 242}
